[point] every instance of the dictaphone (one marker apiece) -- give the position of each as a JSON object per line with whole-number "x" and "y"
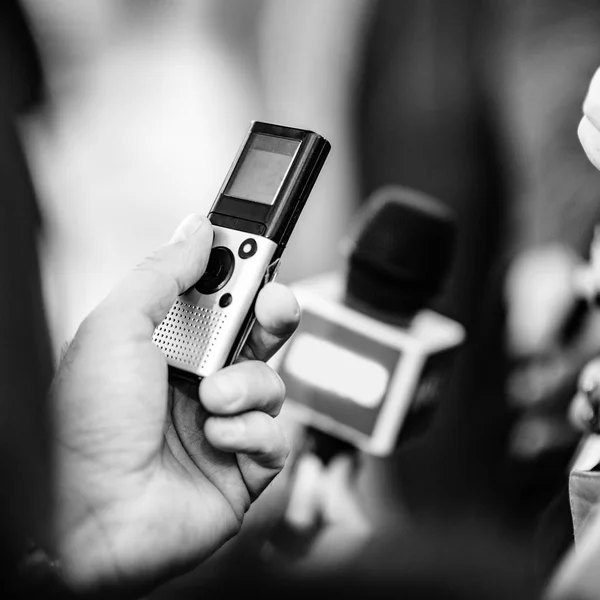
{"x": 253, "y": 217}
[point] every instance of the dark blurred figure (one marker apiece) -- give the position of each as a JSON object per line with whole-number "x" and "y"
{"x": 25, "y": 361}
{"x": 477, "y": 103}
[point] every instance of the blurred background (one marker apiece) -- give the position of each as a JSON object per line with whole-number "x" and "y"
{"x": 475, "y": 102}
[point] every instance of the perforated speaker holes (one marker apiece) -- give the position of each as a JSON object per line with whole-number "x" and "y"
{"x": 188, "y": 333}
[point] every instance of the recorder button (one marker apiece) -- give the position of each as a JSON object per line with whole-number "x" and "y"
{"x": 225, "y": 300}
{"x": 247, "y": 248}
{"x": 218, "y": 271}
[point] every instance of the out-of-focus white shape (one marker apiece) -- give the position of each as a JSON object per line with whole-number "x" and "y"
{"x": 540, "y": 295}
{"x": 149, "y": 103}
{"x": 337, "y": 370}
{"x": 587, "y": 455}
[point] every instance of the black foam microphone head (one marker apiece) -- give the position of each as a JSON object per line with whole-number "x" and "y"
{"x": 399, "y": 253}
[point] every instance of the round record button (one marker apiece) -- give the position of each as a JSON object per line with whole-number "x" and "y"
{"x": 225, "y": 300}
{"x": 218, "y": 271}
{"x": 247, "y": 248}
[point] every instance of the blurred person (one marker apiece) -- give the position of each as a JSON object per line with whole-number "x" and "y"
{"x": 487, "y": 124}
{"x": 476, "y": 103}
{"x": 550, "y": 333}
{"x": 469, "y": 103}
{"x": 578, "y": 574}
{"x": 24, "y": 459}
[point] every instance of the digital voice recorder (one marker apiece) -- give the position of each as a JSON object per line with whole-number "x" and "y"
{"x": 253, "y": 216}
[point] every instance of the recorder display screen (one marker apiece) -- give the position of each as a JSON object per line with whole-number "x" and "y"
{"x": 262, "y": 168}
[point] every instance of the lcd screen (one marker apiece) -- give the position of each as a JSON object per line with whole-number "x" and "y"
{"x": 262, "y": 168}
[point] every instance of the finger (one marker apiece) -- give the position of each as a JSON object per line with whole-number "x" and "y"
{"x": 591, "y": 104}
{"x": 277, "y": 317}
{"x": 580, "y": 412}
{"x": 151, "y": 288}
{"x": 245, "y": 386}
{"x": 589, "y": 136}
{"x": 259, "y": 442}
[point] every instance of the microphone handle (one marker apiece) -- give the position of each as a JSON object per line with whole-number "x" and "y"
{"x": 326, "y": 447}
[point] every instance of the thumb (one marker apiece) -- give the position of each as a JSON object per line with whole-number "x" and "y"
{"x": 150, "y": 289}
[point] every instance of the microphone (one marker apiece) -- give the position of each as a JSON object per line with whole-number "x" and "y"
{"x": 369, "y": 356}
{"x": 364, "y": 369}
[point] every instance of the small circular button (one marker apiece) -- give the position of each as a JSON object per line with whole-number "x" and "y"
{"x": 218, "y": 271}
{"x": 247, "y": 248}
{"x": 225, "y": 300}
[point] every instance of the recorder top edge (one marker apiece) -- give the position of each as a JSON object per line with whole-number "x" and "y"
{"x": 270, "y": 180}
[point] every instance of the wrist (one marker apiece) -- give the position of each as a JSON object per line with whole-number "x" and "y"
{"x": 38, "y": 575}
{"x": 88, "y": 535}
{"x": 100, "y": 557}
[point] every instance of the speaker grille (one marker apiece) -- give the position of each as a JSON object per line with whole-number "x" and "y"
{"x": 187, "y": 334}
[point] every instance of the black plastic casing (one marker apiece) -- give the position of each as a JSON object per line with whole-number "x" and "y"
{"x": 274, "y": 222}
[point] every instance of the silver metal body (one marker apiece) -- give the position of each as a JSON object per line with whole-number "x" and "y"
{"x": 198, "y": 335}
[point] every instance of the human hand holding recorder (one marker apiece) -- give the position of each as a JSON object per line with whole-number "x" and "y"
{"x": 151, "y": 481}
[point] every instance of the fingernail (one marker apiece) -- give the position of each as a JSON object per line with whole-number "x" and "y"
{"x": 187, "y": 227}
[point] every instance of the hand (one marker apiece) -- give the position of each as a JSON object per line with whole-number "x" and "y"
{"x": 150, "y": 481}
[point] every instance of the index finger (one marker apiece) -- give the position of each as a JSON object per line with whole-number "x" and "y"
{"x": 277, "y": 317}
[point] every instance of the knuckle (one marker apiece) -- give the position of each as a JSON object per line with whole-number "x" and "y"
{"x": 279, "y": 450}
{"x": 227, "y": 388}
{"x": 277, "y": 390}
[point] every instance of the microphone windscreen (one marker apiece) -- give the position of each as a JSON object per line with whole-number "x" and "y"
{"x": 399, "y": 252}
